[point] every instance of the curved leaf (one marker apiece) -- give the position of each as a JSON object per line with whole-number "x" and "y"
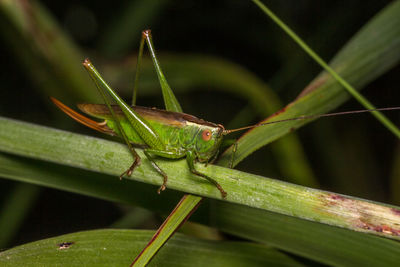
{"x": 114, "y": 248}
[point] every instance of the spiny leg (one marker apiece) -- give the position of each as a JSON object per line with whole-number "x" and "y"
{"x": 170, "y": 101}
{"x": 137, "y": 160}
{"x": 190, "y": 160}
{"x": 140, "y": 125}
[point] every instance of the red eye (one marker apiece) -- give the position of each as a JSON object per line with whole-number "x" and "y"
{"x": 206, "y": 135}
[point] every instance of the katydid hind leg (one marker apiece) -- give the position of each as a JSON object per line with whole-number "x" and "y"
{"x": 190, "y": 160}
{"x": 171, "y": 103}
{"x": 141, "y": 126}
{"x": 137, "y": 159}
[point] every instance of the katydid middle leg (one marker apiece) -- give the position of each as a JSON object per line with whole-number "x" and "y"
{"x": 163, "y": 154}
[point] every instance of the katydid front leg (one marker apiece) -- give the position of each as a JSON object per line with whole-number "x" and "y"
{"x": 164, "y": 154}
{"x": 190, "y": 158}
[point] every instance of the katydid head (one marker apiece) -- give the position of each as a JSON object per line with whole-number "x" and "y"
{"x": 305, "y": 117}
{"x": 208, "y": 140}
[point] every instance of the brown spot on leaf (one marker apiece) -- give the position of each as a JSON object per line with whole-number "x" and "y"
{"x": 333, "y": 199}
{"x": 386, "y": 229}
{"x": 395, "y": 211}
{"x": 361, "y": 215}
{"x": 337, "y": 197}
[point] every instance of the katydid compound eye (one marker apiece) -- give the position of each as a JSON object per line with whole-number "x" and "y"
{"x": 206, "y": 135}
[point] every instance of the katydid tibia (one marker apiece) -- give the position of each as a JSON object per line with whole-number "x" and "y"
{"x": 166, "y": 133}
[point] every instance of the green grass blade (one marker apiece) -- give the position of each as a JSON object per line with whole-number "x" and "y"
{"x": 86, "y": 182}
{"x": 113, "y": 247}
{"x": 301, "y": 237}
{"x": 243, "y": 188}
{"x": 393, "y": 9}
{"x": 182, "y": 212}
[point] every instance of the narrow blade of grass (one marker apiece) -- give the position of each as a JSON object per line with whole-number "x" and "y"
{"x": 175, "y": 219}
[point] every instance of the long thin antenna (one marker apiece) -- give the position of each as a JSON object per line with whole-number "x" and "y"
{"x": 312, "y": 117}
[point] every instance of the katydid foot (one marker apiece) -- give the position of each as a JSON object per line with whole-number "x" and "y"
{"x": 129, "y": 171}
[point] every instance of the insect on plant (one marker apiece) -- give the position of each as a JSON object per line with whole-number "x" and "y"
{"x": 165, "y": 133}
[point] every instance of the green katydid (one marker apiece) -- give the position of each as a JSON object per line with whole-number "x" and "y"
{"x": 166, "y": 133}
